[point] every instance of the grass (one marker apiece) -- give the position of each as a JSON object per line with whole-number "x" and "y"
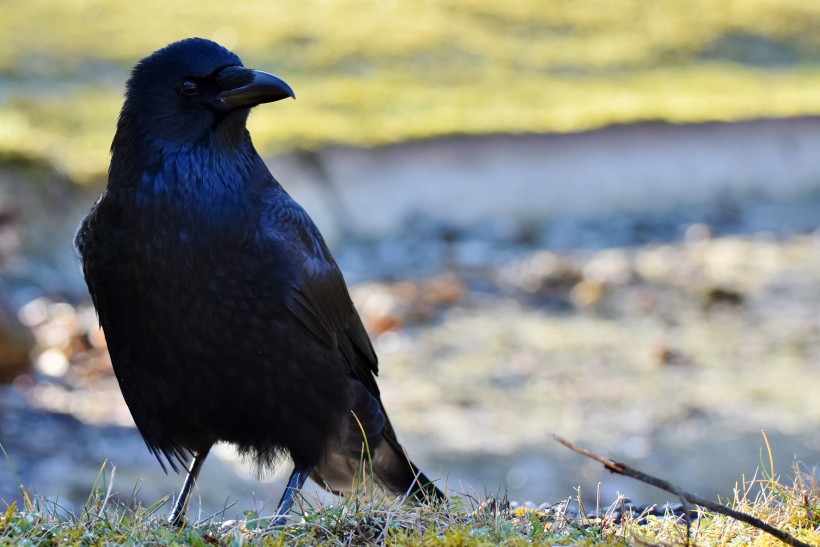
{"x": 371, "y": 72}
{"x": 464, "y": 521}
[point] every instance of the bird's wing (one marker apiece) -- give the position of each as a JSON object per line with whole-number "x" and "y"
{"x": 98, "y": 250}
{"x": 321, "y": 302}
{"x": 319, "y": 299}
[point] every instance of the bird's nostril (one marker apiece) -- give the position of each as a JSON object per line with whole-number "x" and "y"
{"x": 233, "y": 77}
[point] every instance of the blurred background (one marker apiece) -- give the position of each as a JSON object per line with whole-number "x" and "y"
{"x": 586, "y": 217}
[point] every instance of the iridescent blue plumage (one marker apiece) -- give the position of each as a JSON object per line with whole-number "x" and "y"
{"x": 226, "y": 317}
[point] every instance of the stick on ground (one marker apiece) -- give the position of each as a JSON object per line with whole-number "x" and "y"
{"x": 685, "y": 496}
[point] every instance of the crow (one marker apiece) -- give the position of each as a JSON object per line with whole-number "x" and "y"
{"x": 226, "y": 317}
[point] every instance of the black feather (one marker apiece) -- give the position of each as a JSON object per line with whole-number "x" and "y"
{"x": 226, "y": 317}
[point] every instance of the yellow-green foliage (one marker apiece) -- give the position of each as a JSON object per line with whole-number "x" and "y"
{"x": 461, "y": 521}
{"x": 793, "y": 509}
{"x": 374, "y": 71}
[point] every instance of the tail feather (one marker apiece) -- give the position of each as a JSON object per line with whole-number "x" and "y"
{"x": 387, "y": 465}
{"x": 368, "y": 449}
{"x": 395, "y": 473}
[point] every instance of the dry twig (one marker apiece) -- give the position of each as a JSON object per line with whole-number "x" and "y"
{"x": 684, "y": 496}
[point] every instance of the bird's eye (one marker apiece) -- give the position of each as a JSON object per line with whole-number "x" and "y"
{"x": 189, "y": 88}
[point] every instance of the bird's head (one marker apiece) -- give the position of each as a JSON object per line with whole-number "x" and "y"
{"x": 189, "y": 88}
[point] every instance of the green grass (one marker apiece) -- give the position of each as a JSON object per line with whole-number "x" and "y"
{"x": 371, "y": 72}
{"x": 464, "y": 521}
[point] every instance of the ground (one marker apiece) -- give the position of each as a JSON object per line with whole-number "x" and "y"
{"x": 672, "y": 355}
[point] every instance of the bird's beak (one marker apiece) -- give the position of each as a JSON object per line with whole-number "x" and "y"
{"x": 245, "y": 88}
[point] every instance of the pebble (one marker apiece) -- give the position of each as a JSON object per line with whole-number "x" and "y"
{"x": 16, "y": 345}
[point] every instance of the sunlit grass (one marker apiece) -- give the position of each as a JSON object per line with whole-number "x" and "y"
{"x": 371, "y": 72}
{"x": 464, "y": 520}
{"x": 791, "y": 508}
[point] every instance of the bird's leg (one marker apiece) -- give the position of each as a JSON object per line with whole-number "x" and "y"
{"x": 177, "y": 516}
{"x": 295, "y": 482}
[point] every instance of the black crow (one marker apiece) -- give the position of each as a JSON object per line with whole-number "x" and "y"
{"x": 226, "y": 317}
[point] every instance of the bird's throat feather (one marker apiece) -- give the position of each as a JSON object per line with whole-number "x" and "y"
{"x": 196, "y": 194}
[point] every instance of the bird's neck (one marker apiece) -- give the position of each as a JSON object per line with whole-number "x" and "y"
{"x": 192, "y": 188}
{"x": 194, "y": 176}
